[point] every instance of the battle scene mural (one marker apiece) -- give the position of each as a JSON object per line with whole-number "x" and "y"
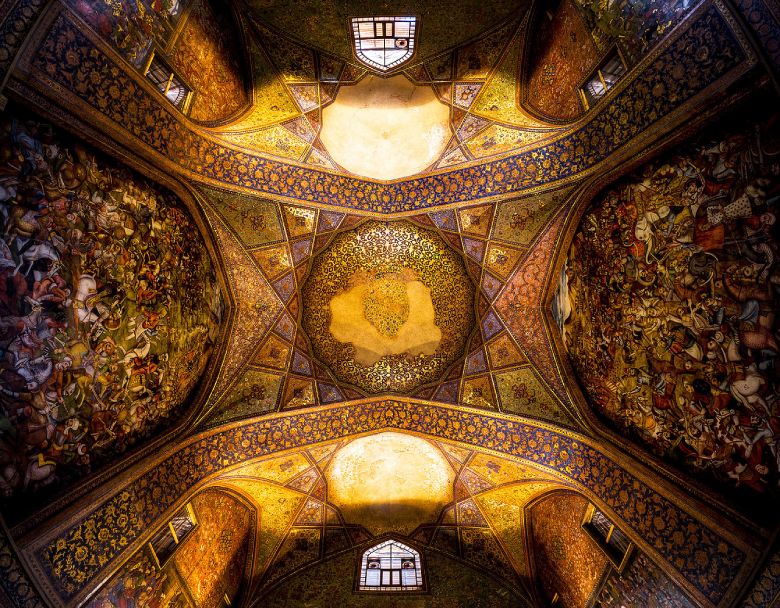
{"x": 672, "y": 283}
{"x": 109, "y": 307}
{"x": 131, "y": 26}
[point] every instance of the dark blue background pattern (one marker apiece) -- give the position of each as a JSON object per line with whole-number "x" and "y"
{"x": 707, "y": 560}
{"x": 703, "y": 54}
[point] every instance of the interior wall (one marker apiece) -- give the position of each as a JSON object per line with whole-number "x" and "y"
{"x": 567, "y": 561}
{"x": 109, "y": 308}
{"x": 331, "y": 583}
{"x": 673, "y": 287}
{"x": 207, "y": 566}
{"x": 561, "y": 55}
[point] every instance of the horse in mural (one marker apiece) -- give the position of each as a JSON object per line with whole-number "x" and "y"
{"x": 676, "y": 268}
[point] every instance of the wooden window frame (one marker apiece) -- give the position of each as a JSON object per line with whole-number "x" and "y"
{"x": 177, "y": 541}
{"x": 156, "y": 53}
{"x": 617, "y": 560}
{"x": 613, "y": 51}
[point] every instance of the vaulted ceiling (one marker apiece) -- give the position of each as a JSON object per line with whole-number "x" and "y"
{"x": 463, "y": 304}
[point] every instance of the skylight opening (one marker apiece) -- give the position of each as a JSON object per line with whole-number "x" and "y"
{"x": 391, "y": 566}
{"x": 384, "y": 43}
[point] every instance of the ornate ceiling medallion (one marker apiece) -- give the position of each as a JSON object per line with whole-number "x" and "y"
{"x": 388, "y": 307}
{"x": 384, "y": 43}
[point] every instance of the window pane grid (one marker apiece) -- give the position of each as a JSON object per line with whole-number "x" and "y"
{"x": 167, "y": 82}
{"x": 384, "y": 42}
{"x": 604, "y": 78}
{"x": 391, "y": 566}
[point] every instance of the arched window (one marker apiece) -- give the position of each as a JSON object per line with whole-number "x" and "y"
{"x": 391, "y": 566}
{"x": 384, "y": 43}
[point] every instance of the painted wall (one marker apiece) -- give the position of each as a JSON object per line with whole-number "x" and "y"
{"x": 109, "y": 306}
{"x": 131, "y": 26}
{"x": 568, "y": 562}
{"x": 562, "y": 55}
{"x": 331, "y": 583}
{"x": 641, "y": 584}
{"x": 673, "y": 284}
{"x": 207, "y": 56}
{"x": 209, "y": 563}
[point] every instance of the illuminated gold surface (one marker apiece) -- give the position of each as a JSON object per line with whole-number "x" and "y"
{"x": 388, "y": 306}
{"x": 385, "y": 316}
{"x": 503, "y": 509}
{"x": 280, "y": 470}
{"x": 390, "y": 482}
{"x": 385, "y": 128}
{"x": 277, "y": 507}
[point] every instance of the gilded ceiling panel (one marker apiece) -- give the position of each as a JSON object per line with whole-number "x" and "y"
{"x": 207, "y": 54}
{"x": 388, "y": 306}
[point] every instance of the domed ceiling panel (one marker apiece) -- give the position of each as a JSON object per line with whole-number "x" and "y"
{"x": 562, "y": 53}
{"x": 388, "y": 306}
{"x": 672, "y": 283}
{"x": 369, "y": 481}
{"x": 110, "y": 308}
{"x": 352, "y": 491}
{"x": 331, "y": 304}
{"x": 385, "y": 128}
{"x": 327, "y": 117}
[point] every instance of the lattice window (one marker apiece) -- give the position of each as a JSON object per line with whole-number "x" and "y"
{"x": 391, "y": 566}
{"x": 603, "y": 79}
{"x": 384, "y": 43}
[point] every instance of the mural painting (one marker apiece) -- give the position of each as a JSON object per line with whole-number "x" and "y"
{"x": 562, "y": 55}
{"x": 558, "y": 542}
{"x": 641, "y": 584}
{"x": 141, "y": 584}
{"x": 131, "y": 26}
{"x": 637, "y": 26}
{"x": 109, "y": 306}
{"x": 207, "y": 55}
{"x": 673, "y": 287}
{"x": 388, "y": 306}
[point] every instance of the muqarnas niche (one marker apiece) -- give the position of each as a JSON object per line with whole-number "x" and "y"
{"x": 673, "y": 283}
{"x": 109, "y": 308}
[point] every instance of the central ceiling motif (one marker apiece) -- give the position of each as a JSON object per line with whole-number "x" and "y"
{"x": 388, "y": 306}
